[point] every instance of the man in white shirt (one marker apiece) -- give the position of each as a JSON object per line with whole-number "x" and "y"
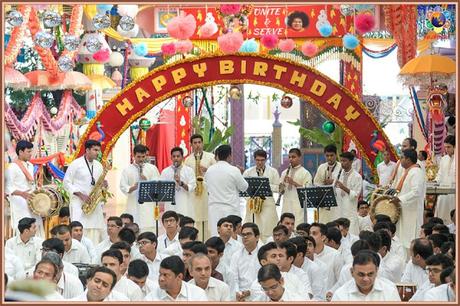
{"x": 199, "y": 198}
{"x": 446, "y": 177}
{"x": 125, "y": 250}
{"x": 267, "y": 217}
{"x": 415, "y": 273}
{"x": 444, "y": 292}
{"x": 79, "y": 181}
{"x": 200, "y": 269}
{"x": 25, "y": 245}
{"x": 292, "y": 178}
{"x": 139, "y": 170}
{"x": 225, "y": 230}
{"x": 333, "y": 240}
{"x": 224, "y": 183}
{"x": 364, "y": 219}
{"x": 452, "y": 226}
{"x": 216, "y": 248}
{"x": 147, "y": 242}
{"x": 99, "y": 285}
{"x": 385, "y": 169}
{"x": 185, "y": 180}
{"x": 14, "y": 267}
{"x": 114, "y": 225}
{"x": 347, "y": 237}
{"x": 171, "y": 287}
{"x": 272, "y": 283}
{"x": 56, "y": 245}
{"x": 46, "y": 270}
{"x": 407, "y": 144}
{"x": 74, "y": 252}
{"x": 19, "y": 183}
{"x": 422, "y": 157}
{"x": 365, "y": 285}
{"x": 113, "y": 259}
{"x": 76, "y": 230}
{"x": 138, "y": 272}
{"x": 310, "y": 257}
{"x": 391, "y": 266}
{"x": 356, "y": 162}
{"x": 170, "y": 239}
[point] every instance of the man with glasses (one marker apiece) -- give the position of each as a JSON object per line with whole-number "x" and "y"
{"x": 147, "y": 243}
{"x": 170, "y": 239}
{"x": 267, "y": 217}
{"x": 444, "y": 292}
{"x": 114, "y": 225}
{"x": 272, "y": 283}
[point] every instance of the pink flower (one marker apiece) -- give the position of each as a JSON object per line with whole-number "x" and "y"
{"x": 230, "y": 42}
{"x": 183, "y": 46}
{"x": 102, "y": 56}
{"x": 269, "y": 41}
{"x": 168, "y": 49}
{"x": 364, "y": 23}
{"x": 181, "y": 27}
{"x": 286, "y": 45}
{"x": 309, "y": 49}
{"x": 208, "y": 29}
{"x": 230, "y": 9}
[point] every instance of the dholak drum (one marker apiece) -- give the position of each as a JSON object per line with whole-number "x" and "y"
{"x": 46, "y": 201}
{"x": 406, "y": 291}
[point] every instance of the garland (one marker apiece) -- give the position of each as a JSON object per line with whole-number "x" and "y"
{"x": 379, "y": 54}
{"x": 17, "y": 35}
{"x": 75, "y": 27}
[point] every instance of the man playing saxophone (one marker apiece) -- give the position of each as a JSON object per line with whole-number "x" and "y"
{"x": 79, "y": 181}
{"x": 200, "y": 161}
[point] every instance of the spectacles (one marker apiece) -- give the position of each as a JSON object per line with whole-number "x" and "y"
{"x": 432, "y": 270}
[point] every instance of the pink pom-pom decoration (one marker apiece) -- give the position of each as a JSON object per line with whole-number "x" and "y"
{"x": 269, "y": 41}
{"x": 182, "y": 27}
{"x": 208, "y": 30}
{"x": 168, "y": 49}
{"x": 286, "y": 45}
{"x": 230, "y": 9}
{"x": 102, "y": 56}
{"x": 230, "y": 42}
{"x": 183, "y": 46}
{"x": 364, "y": 23}
{"x": 309, "y": 49}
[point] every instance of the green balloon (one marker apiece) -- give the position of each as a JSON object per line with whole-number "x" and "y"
{"x": 328, "y": 127}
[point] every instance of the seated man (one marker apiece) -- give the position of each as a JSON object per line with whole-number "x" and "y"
{"x": 415, "y": 272}
{"x": 126, "y": 219}
{"x": 99, "y": 284}
{"x": 269, "y": 277}
{"x": 444, "y": 292}
{"x": 216, "y": 249}
{"x": 364, "y": 220}
{"x": 46, "y": 270}
{"x": 189, "y": 249}
{"x": 138, "y": 272}
{"x": 147, "y": 242}
{"x": 76, "y": 230}
{"x": 170, "y": 239}
{"x": 125, "y": 250}
{"x": 75, "y": 252}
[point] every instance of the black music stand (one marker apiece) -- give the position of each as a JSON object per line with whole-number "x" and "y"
{"x": 316, "y": 197}
{"x": 156, "y": 191}
{"x": 258, "y": 187}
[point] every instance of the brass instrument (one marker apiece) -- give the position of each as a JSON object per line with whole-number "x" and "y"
{"x": 98, "y": 194}
{"x": 198, "y": 176}
{"x": 385, "y": 201}
{"x": 282, "y": 188}
{"x": 256, "y": 204}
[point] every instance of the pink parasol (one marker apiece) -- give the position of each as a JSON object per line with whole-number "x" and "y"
{"x": 15, "y": 79}
{"x": 41, "y": 79}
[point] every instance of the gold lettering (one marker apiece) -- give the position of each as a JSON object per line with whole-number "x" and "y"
{"x": 158, "y": 82}
{"x": 178, "y": 75}
{"x": 200, "y": 69}
{"x": 141, "y": 94}
{"x": 352, "y": 114}
{"x": 243, "y": 67}
{"x": 226, "y": 67}
{"x": 298, "y": 78}
{"x": 260, "y": 68}
{"x": 279, "y": 70}
{"x": 124, "y": 107}
{"x": 318, "y": 88}
{"x": 335, "y": 101}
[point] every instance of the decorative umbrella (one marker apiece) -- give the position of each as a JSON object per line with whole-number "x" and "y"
{"x": 101, "y": 81}
{"x": 427, "y": 69}
{"x": 15, "y": 79}
{"x": 43, "y": 80}
{"x": 76, "y": 80}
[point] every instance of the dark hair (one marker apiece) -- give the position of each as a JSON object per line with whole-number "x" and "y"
{"x": 195, "y": 136}
{"x": 253, "y": 226}
{"x": 281, "y": 228}
{"x": 300, "y": 244}
{"x": 445, "y": 273}
{"x": 115, "y": 253}
{"x": 260, "y": 153}
{"x": 75, "y": 224}
{"x": 438, "y": 240}
{"x": 291, "y": 249}
{"x": 92, "y": 272}
{"x": 48, "y": 261}
{"x": 440, "y": 259}
{"x": 332, "y": 224}
{"x": 138, "y": 268}
{"x": 374, "y": 240}
{"x": 362, "y": 202}
{"x": 267, "y": 272}
{"x": 262, "y": 252}
{"x": 149, "y": 236}
{"x": 127, "y": 216}
{"x": 424, "y": 154}
{"x": 451, "y": 121}
{"x": 366, "y": 256}
{"x": 177, "y": 149}
{"x": 225, "y": 220}
{"x": 25, "y": 223}
{"x": 347, "y": 155}
{"x": 127, "y": 234}
{"x": 185, "y": 220}
{"x": 168, "y": 214}
{"x": 450, "y": 139}
{"x": 334, "y": 234}
{"x": 427, "y": 228}
{"x": 385, "y": 237}
{"x": 330, "y": 148}
{"x": 173, "y": 263}
{"x": 115, "y": 219}
{"x": 392, "y": 227}
{"x": 382, "y": 218}
{"x": 436, "y": 220}
{"x": 422, "y": 247}
{"x": 235, "y": 220}
{"x": 449, "y": 245}
{"x": 223, "y": 152}
{"x": 381, "y": 225}
{"x": 64, "y": 212}
{"x": 295, "y": 151}
{"x": 133, "y": 226}
{"x": 298, "y": 14}
{"x": 452, "y": 213}
{"x": 61, "y": 229}
{"x": 303, "y": 227}
{"x": 286, "y": 215}
{"x": 429, "y": 213}
{"x": 311, "y": 239}
{"x": 441, "y": 228}
{"x": 359, "y": 245}
{"x": 54, "y": 244}
{"x": 412, "y": 142}
{"x": 344, "y": 222}
{"x": 92, "y": 143}
{"x": 188, "y": 232}
{"x": 410, "y": 154}
{"x": 364, "y": 234}
{"x": 21, "y": 145}
{"x": 121, "y": 245}
{"x": 216, "y": 243}
{"x": 322, "y": 227}
{"x": 140, "y": 148}
{"x": 195, "y": 247}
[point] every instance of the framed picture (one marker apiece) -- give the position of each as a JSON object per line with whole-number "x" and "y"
{"x": 162, "y": 16}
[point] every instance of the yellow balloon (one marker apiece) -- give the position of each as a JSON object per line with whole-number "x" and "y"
{"x": 438, "y": 30}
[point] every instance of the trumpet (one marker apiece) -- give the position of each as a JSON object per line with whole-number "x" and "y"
{"x": 199, "y": 176}
{"x": 282, "y": 188}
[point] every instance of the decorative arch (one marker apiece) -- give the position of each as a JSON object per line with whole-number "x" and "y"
{"x": 333, "y": 100}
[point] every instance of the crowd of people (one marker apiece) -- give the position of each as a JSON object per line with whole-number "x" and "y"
{"x": 207, "y": 252}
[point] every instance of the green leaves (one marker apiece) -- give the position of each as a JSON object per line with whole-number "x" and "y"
{"x": 318, "y": 136}
{"x": 213, "y": 137}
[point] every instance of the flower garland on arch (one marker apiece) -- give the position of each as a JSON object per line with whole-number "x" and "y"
{"x": 17, "y": 35}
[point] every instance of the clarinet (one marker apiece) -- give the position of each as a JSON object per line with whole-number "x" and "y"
{"x": 278, "y": 202}
{"x": 176, "y": 172}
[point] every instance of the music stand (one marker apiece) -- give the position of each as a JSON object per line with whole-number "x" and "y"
{"x": 156, "y": 191}
{"x": 316, "y": 197}
{"x": 258, "y": 187}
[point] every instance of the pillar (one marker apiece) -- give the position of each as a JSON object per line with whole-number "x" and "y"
{"x": 237, "y": 121}
{"x": 277, "y": 141}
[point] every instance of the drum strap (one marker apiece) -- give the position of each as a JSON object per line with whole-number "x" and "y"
{"x": 406, "y": 172}
{"x": 395, "y": 171}
{"x": 27, "y": 174}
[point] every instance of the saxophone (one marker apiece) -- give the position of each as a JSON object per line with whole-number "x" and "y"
{"x": 98, "y": 194}
{"x": 198, "y": 176}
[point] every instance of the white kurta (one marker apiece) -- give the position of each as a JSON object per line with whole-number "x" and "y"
{"x": 446, "y": 178}
{"x": 142, "y": 213}
{"x": 384, "y": 171}
{"x": 182, "y": 197}
{"x": 290, "y": 198}
{"x": 224, "y": 183}
{"x": 412, "y": 196}
{"x": 327, "y": 215}
{"x": 78, "y": 179}
{"x": 348, "y": 202}
{"x": 267, "y": 218}
{"x": 16, "y": 180}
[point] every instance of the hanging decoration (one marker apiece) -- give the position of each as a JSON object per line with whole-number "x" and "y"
{"x": 71, "y": 42}
{"x": 323, "y": 25}
{"x": 286, "y": 101}
{"x": 101, "y": 21}
{"x": 234, "y": 92}
{"x": 379, "y": 54}
{"x": 230, "y": 42}
{"x": 269, "y": 41}
{"x": 328, "y": 127}
{"x": 139, "y": 65}
{"x": 65, "y": 63}
{"x": 187, "y": 101}
{"x": 182, "y": 27}
{"x": 126, "y": 23}
{"x": 14, "y": 18}
{"x": 183, "y": 46}
{"x": 44, "y": 40}
{"x": 286, "y": 45}
{"x": 364, "y": 23}
{"x": 17, "y": 36}
{"x": 51, "y": 19}
{"x": 309, "y": 48}
{"x": 350, "y": 41}
{"x": 168, "y": 49}
{"x": 249, "y": 46}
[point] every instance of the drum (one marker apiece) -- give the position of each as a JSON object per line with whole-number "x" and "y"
{"x": 46, "y": 201}
{"x": 386, "y": 205}
{"x": 406, "y": 291}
